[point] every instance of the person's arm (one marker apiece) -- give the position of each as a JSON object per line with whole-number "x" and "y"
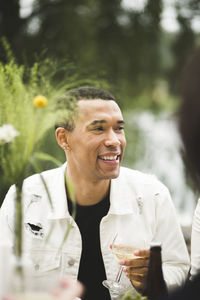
{"x": 166, "y": 230}
{"x": 195, "y": 242}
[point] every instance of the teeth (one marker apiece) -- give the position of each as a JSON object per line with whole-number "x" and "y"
{"x": 109, "y": 157}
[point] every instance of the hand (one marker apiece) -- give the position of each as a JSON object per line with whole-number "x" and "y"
{"x": 136, "y": 269}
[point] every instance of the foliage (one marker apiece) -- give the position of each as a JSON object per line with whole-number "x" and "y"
{"x": 95, "y": 37}
{"x": 100, "y": 37}
{"x": 27, "y": 111}
{"x": 18, "y": 87}
{"x": 130, "y": 296}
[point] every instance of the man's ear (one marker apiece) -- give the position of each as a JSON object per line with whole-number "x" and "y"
{"x": 61, "y": 136}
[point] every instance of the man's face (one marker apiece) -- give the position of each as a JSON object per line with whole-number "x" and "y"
{"x": 98, "y": 141}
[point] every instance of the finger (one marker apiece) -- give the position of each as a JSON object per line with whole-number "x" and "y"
{"x": 138, "y": 271}
{"x": 142, "y": 252}
{"x": 137, "y": 262}
{"x": 137, "y": 284}
{"x": 137, "y": 277}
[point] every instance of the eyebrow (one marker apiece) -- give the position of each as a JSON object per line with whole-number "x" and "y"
{"x": 98, "y": 122}
{"x": 95, "y": 122}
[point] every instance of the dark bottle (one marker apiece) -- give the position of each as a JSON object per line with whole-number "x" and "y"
{"x": 155, "y": 283}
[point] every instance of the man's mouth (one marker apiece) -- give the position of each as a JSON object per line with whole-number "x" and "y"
{"x": 110, "y": 157}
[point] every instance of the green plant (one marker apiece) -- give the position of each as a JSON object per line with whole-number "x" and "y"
{"x": 28, "y": 99}
{"x": 130, "y": 296}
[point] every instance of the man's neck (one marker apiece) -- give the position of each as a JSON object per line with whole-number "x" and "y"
{"x": 89, "y": 192}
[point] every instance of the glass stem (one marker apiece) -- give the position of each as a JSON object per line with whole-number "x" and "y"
{"x": 119, "y": 274}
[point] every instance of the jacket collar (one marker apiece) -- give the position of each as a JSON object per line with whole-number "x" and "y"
{"x": 56, "y": 186}
{"x": 123, "y": 196}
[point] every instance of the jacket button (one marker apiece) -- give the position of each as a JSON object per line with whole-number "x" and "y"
{"x": 37, "y": 267}
{"x": 71, "y": 262}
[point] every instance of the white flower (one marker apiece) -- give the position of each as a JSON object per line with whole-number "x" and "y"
{"x": 7, "y": 133}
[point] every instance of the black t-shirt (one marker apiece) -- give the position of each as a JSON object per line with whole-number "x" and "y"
{"x": 91, "y": 270}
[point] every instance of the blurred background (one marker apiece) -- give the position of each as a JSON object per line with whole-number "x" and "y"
{"x": 140, "y": 48}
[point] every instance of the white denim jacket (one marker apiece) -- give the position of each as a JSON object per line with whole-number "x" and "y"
{"x": 140, "y": 206}
{"x": 195, "y": 242}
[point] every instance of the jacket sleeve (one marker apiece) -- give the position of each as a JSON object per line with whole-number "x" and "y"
{"x": 7, "y": 217}
{"x": 195, "y": 241}
{"x": 174, "y": 251}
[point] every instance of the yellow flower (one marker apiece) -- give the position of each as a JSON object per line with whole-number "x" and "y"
{"x": 40, "y": 101}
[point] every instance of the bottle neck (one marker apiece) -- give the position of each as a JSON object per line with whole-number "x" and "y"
{"x": 155, "y": 284}
{"x": 155, "y": 256}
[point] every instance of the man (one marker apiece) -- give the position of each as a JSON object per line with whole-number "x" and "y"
{"x": 109, "y": 199}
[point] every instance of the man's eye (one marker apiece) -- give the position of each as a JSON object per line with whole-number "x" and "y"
{"x": 120, "y": 128}
{"x": 100, "y": 128}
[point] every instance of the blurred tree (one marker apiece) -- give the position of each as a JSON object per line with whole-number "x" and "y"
{"x": 152, "y": 34}
{"x": 100, "y": 37}
{"x": 104, "y": 39}
{"x": 10, "y": 21}
{"x": 184, "y": 43}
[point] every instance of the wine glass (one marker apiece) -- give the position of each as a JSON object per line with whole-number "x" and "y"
{"x": 123, "y": 248}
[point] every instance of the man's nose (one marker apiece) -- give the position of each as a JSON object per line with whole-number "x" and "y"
{"x": 112, "y": 139}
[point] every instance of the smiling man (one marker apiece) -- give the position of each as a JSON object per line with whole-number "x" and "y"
{"x": 94, "y": 149}
{"x": 109, "y": 199}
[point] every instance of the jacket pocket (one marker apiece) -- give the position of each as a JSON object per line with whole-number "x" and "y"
{"x": 44, "y": 271}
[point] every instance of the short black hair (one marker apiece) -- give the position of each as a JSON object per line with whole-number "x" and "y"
{"x": 89, "y": 93}
{"x": 70, "y": 99}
